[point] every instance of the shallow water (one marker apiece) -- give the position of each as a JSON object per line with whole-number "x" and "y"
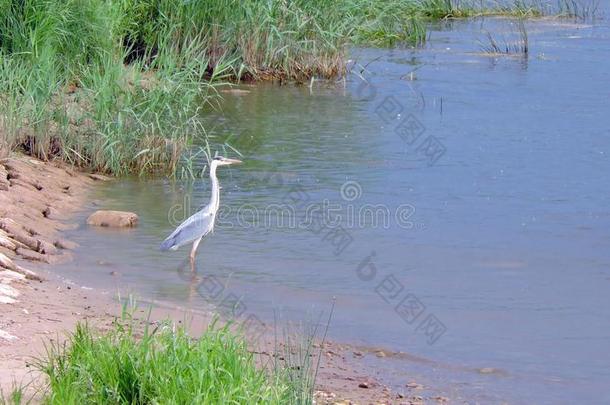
{"x": 489, "y": 254}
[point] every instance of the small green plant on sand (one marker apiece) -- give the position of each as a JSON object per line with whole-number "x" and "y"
{"x": 16, "y": 396}
{"x": 164, "y": 365}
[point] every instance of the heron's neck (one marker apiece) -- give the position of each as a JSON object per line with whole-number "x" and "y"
{"x": 215, "y": 198}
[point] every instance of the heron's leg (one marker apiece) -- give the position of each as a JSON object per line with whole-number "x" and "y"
{"x": 193, "y": 252}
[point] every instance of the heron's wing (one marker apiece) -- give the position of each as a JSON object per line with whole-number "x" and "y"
{"x": 195, "y": 227}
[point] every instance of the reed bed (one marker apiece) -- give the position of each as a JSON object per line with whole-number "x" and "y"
{"x": 117, "y": 86}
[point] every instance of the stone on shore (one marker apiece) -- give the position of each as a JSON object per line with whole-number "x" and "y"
{"x": 4, "y": 183}
{"x": 7, "y": 336}
{"x": 8, "y": 291}
{"x": 98, "y": 177}
{"x": 6, "y": 263}
{"x": 6, "y": 242}
{"x": 65, "y": 244}
{"x": 8, "y": 276}
{"x": 18, "y": 233}
{"x": 113, "y": 219}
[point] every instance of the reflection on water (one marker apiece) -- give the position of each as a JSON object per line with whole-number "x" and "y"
{"x": 496, "y": 272}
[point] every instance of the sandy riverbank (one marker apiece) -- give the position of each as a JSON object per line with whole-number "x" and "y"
{"x": 36, "y": 203}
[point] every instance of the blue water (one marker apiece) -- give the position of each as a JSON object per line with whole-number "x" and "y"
{"x": 501, "y": 260}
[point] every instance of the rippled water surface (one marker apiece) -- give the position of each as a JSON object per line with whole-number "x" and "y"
{"x": 488, "y": 257}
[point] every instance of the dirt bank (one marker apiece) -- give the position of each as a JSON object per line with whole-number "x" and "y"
{"x": 36, "y": 200}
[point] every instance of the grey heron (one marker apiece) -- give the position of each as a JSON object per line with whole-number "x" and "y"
{"x": 201, "y": 223}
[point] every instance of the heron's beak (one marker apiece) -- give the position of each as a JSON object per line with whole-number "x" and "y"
{"x": 232, "y": 161}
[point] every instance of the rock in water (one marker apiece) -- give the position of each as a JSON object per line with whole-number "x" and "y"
{"x": 113, "y": 219}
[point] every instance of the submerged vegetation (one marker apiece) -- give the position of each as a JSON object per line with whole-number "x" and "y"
{"x": 117, "y": 86}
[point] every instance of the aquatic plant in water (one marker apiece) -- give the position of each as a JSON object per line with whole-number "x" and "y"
{"x": 503, "y": 46}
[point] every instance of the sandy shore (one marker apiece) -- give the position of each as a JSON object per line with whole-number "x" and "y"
{"x": 36, "y": 203}
{"x": 48, "y": 311}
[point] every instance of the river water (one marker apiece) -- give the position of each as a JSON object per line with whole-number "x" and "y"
{"x": 454, "y": 204}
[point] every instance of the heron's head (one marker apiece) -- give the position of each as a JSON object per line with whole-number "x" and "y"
{"x": 223, "y": 161}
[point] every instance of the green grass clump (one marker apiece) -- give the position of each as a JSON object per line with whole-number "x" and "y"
{"x": 386, "y": 23}
{"x": 165, "y": 366}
